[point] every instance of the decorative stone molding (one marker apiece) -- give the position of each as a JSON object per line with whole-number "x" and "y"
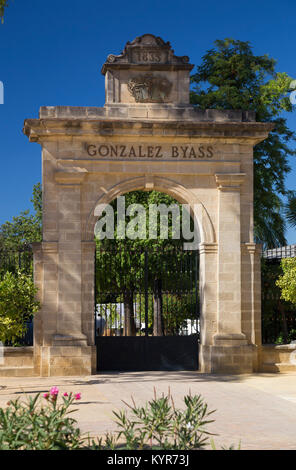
{"x": 149, "y": 89}
{"x": 185, "y": 113}
{"x": 251, "y": 247}
{"x": 229, "y": 339}
{"x": 208, "y": 248}
{"x": 147, "y": 52}
{"x": 165, "y": 77}
{"x": 229, "y": 182}
{"x": 69, "y": 340}
{"x": 39, "y": 130}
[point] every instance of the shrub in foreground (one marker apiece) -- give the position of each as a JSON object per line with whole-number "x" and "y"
{"x": 160, "y": 425}
{"x": 34, "y": 426}
{"x": 43, "y": 423}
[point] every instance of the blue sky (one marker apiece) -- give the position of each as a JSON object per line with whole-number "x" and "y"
{"x": 51, "y": 54}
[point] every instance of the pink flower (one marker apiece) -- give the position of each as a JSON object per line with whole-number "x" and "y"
{"x": 66, "y": 394}
{"x": 45, "y": 395}
{"x": 54, "y": 391}
{"x": 77, "y": 396}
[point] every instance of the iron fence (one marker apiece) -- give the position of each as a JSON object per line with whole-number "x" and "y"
{"x": 13, "y": 261}
{"x": 147, "y": 292}
{"x": 288, "y": 251}
{"x": 278, "y": 317}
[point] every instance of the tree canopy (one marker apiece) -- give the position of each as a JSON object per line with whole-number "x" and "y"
{"x": 290, "y": 211}
{"x": 17, "y": 305}
{"x": 3, "y": 5}
{"x": 232, "y": 77}
{"x": 287, "y": 281}
{"x": 25, "y": 228}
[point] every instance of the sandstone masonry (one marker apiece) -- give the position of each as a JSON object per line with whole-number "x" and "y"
{"x": 147, "y": 136}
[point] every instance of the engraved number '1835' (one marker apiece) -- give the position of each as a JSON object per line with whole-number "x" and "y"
{"x": 146, "y": 56}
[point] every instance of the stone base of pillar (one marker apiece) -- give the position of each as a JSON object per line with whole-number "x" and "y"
{"x": 64, "y": 360}
{"x": 227, "y": 358}
{"x": 69, "y": 340}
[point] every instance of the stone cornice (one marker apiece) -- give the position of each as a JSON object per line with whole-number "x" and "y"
{"x": 146, "y": 67}
{"x": 252, "y": 247}
{"x": 38, "y": 130}
{"x": 229, "y": 181}
{"x": 208, "y": 248}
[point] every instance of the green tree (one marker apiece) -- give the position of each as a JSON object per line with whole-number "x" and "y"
{"x": 37, "y": 202}
{"x": 232, "y": 77}
{"x": 290, "y": 210}
{"x": 3, "y": 5}
{"x": 287, "y": 281}
{"x": 17, "y": 305}
{"x": 24, "y": 228}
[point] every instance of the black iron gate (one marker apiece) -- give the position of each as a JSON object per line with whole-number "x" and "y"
{"x": 147, "y": 309}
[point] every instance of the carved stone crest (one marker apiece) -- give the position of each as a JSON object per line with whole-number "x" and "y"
{"x": 149, "y": 89}
{"x": 147, "y": 51}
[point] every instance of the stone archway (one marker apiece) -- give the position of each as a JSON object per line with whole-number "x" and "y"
{"x": 164, "y": 185}
{"x": 156, "y": 183}
{"x": 147, "y": 136}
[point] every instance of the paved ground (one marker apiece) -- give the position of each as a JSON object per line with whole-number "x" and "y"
{"x": 258, "y": 410}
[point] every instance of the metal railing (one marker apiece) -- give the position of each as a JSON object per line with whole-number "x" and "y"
{"x": 152, "y": 292}
{"x": 288, "y": 251}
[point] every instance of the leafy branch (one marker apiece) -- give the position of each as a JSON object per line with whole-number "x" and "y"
{"x": 3, "y": 5}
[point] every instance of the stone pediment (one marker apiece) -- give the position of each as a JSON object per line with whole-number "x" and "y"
{"x": 148, "y": 52}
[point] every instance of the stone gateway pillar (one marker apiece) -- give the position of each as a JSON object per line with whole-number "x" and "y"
{"x": 147, "y": 136}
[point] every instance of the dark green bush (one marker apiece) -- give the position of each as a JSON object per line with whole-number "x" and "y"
{"x": 160, "y": 425}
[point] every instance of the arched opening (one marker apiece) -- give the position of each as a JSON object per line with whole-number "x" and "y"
{"x": 146, "y": 282}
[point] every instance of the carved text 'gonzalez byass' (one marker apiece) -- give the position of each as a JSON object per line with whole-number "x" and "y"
{"x": 150, "y": 151}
